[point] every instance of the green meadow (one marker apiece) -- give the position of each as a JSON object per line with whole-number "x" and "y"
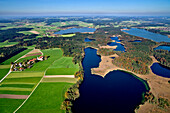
{"x": 3, "y": 71}
{"x": 63, "y": 66}
{"x": 60, "y": 79}
{"x": 9, "y": 105}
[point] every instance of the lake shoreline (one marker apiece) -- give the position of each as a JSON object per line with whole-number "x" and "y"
{"x": 158, "y": 85}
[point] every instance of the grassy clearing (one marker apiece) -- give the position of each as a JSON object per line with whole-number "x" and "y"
{"x": 68, "y": 35}
{"x": 9, "y": 105}
{"x": 69, "y": 80}
{"x": 63, "y": 66}
{"x": 12, "y": 59}
{"x": 25, "y": 74}
{"x": 46, "y": 98}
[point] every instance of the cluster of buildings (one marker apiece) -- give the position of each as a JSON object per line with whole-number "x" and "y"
{"x": 21, "y": 66}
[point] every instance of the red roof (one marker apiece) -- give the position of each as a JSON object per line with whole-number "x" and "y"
{"x": 33, "y": 59}
{"x": 41, "y": 57}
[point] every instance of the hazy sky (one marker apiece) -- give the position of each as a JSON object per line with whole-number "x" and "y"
{"x": 148, "y": 7}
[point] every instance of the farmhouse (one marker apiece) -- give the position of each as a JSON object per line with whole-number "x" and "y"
{"x": 40, "y": 58}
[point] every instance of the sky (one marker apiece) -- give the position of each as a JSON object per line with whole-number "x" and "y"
{"x": 52, "y": 7}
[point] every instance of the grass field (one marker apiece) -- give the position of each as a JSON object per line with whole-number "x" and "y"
{"x": 18, "y": 85}
{"x": 60, "y": 79}
{"x": 63, "y": 66}
{"x": 12, "y": 59}
{"x": 15, "y": 92}
{"x": 61, "y": 71}
{"x": 68, "y": 35}
{"x": 3, "y": 72}
{"x": 9, "y": 105}
{"x": 46, "y": 98}
{"x": 22, "y": 80}
{"x": 25, "y": 74}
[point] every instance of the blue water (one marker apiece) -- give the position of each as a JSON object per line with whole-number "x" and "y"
{"x": 136, "y": 41}
{"x": 163, "y": 48}
{"x": 113, "y": 57}
{"x": 88, "y": 40}
{"x": 116, "y": 39}
{"x": 120, "y": 47}
{"x": 74, "y": 30}
{"x": 118, "y": 92}
{"x": 160, "y": 70}
{"x": 149, "y": 35}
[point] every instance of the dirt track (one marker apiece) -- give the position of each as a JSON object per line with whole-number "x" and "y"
{"x": 55, "y": 76}
{"x": 13, "y": 96}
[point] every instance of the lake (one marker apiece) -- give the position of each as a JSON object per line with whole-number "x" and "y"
{"x": 88, "y": 40}
{"x": 120, "y": 47}
{"x": 160, "y": 70}
{"x": 148, "y": 35}
{"x": 116, "y": 39}
{"x": 118, "y": 92}
{"x": 163, "y": 47}
{"x": 75, "y": 30}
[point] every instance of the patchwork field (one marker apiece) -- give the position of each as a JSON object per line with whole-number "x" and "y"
{"x": 48, "y": 96}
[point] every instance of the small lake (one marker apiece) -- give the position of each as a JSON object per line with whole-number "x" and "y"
{"x": 120, "y": 47}
{"x": 118, "y": 92}
{"x": 88, "y": 40}
{"x": 149, "y": 35}
{"x": 160, "y": 70}
{"x": 116, "y": 39}
{"x": 75, "y": 30}
{"x": 163, "y": 47}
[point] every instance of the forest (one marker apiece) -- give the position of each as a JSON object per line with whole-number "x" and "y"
{"x": 163, "y": 56}
{"x": 12, "y": 33}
